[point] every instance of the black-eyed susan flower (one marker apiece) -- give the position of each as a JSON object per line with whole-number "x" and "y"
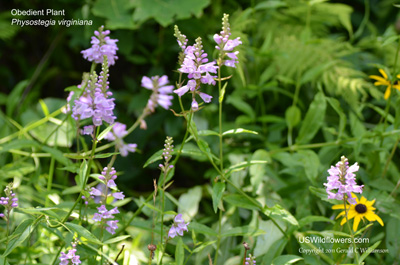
{"x": 384, "y": 81}
{"x": 363, "y": 208}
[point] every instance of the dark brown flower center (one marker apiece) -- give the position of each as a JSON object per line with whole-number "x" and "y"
{"x": 361, "y": 208}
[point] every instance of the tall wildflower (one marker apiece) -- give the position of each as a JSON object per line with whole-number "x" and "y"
{"x": 9, "y": 202}
{"x": 108, "y": 177}
{"x": 102, "y": 46}
{"x": 195, "y": 64}
{"x": 226, "y": 45}
{"x": 342, "y": 179}
{"x": 96, "y": 101}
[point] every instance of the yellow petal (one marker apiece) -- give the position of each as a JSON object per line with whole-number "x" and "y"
{"x": 343, "y": 221}
{"x": 363, "y": 200}
{"x": 340, "y": 214}
{"x": 387, "y": 93}
{"x": 379, "y": 79}
{"x": 397, "y": 86}
{"x": 383, "y": 73}
{"x": 351, "y": 214}
{"x": 379, "y": 220}
{"x": 338, "y": 206}
{"x": 356, "y": 222}
{"x": 398, "y": 76}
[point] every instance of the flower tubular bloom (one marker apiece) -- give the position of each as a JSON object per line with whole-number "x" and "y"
{"x": 117, "y": 134}
{"x": 96, "y": 101}
{"x": 342, "y": 178}
{"x": 102, "y": 46}
{"x": 161, "y": 92}
{"x": 195, "y": 64}
{"x": 226, "y": 45}
{"x": 178, "y": 227}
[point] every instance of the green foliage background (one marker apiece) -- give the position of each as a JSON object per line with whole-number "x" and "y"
{"x": 302, "y": 84}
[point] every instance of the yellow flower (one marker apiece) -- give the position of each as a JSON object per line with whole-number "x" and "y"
{"x": 358, "y": 211}
{"x": 383, "y": 81}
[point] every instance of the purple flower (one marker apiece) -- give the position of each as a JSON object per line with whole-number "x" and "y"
{"x": 102, "y": 45}
{"x": 117, "y": 134}
{"x": 225, "y": 45}
{"x": 112, "y": 225}
{"x": 178, "y": 227}
{"x": 342, "y": 178}
{"x": 118, "y": 195}
{"x": 250, "y": 260}
{"x": 195, "y": 64}
{"x": 10, "y": 201}
{"x": 108, "y": 177}
{"x": 95, "y": 101}
{"x": 65, "y": 258}
{"x": 161, "y": 92}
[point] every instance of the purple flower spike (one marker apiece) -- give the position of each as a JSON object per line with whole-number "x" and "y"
{"x": 195, "y": 64}
{"x": 342, "y": 178}
{"x": 102, "y": 45}
{"x": 226, "y": 46}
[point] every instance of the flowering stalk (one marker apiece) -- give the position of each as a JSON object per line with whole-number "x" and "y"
{"x": 70, "y": 257}
{"x": 165, "y": 168}
{"x": 9, "y": 202}
{"x": 225, "y": 47}
{"x": 351, "y": 231}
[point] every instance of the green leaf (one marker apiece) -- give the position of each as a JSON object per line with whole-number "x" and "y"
{"x": 368, "y": 251}
{"x": 15, "y": 96}
{"x": 117, "y": 12}
{"x": 342, "y": 117}
{"x": 202, "y": 246}
{"x": 243, "y": 231}
{"x": 104, "y": 132}
{"x": 321, "y": 193}
{"x": 282, "y": 213}
{"x": 20, "y": 234}
{"x": 218, "y": 190}
{"x": 313, "y": 120}
{"x": 241, "y": 201}
{"x": 310, "y": 161}
{"x": 242, "y": 165}
{"x": 238, "y": 131}
{"x": 286, "y": 259}
{"x": 165, "y": 12}
{"x": 267, "y": 241}
{"x": 241, "y": 105}
{"x": 205, "y": 148}
{"x": 3, "y": 261}
{"x": 179, "y": 252}
{"x": 257, "y": 171}
{"x": 189, "y": 203}
{"x": 292, "y": 116}
{"x": 83, "y": 232}
{"x": 116, "y": 239}
{"x": 222, "y": 94}
{"x": 202, "y": 229}
{"x": 312, "y": 218}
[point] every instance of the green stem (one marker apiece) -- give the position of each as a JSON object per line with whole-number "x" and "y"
{"x": 221, "y": 162}
{"x": 49, "y": 181}
{"x": 351, "y": 231}
{"x": 218, "y": 237}
{"x": 390, "y": 157}
{"x": 163, "y": 250}
{"x": 85, "y": 181}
